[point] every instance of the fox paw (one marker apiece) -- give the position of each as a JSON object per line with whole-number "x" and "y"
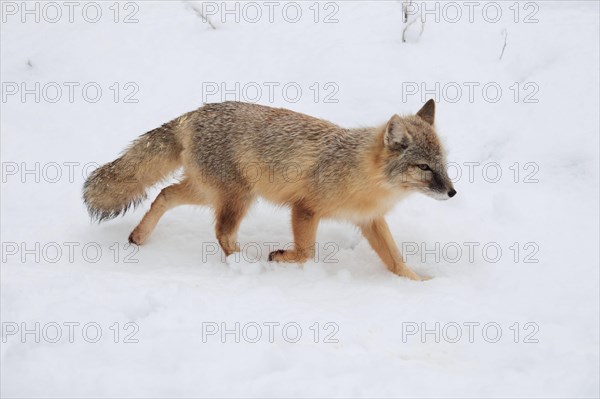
{"x": 413, "y": 276}
{"x": 136, "y": 237}
{"x": 423, "y": 278}
{"x": 287, "y": 256}
{"x": 277, "y": 255}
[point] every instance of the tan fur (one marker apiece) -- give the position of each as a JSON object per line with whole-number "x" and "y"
{"x": 233, "y": 152}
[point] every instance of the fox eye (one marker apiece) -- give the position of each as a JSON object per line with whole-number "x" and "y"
{"x": 423, "y": 166}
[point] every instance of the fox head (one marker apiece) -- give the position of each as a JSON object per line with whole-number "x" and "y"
{"x": 414, "y": 157}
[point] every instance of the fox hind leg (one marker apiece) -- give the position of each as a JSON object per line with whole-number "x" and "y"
{"x": 304, "y": 226}
{"x": 177, "y": 194}
{"x": 229, "y": 218}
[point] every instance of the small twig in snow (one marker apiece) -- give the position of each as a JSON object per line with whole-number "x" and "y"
{"x": 505, "y": 34}
{"x": 405, "y": 29}
{"x": 200, "y": 14}
{"x": 405, "y": 10}
{"x": 408, "y": 23}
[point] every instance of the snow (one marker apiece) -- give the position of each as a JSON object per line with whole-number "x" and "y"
{"x": 175, "y": 290}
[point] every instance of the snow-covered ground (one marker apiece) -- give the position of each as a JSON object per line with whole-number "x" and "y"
{"x": 512, "y": 309}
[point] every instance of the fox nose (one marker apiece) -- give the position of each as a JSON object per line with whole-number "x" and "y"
{"x": 451, "y": 193}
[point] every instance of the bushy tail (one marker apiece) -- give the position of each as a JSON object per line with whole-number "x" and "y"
{"x": 113, "y": 188}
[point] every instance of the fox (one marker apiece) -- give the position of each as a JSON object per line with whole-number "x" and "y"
{"x": 232, "y": 152}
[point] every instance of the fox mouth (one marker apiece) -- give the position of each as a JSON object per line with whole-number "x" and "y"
{"x": 441, "y": 195}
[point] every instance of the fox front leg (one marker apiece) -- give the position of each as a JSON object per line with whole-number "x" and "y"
{"x": 378, "y": 234}
{"x": 304, "y": 226}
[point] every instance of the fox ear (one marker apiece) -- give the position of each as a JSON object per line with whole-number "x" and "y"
{"x": 396, "y": 137}
{"x": 427, "y": 112}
